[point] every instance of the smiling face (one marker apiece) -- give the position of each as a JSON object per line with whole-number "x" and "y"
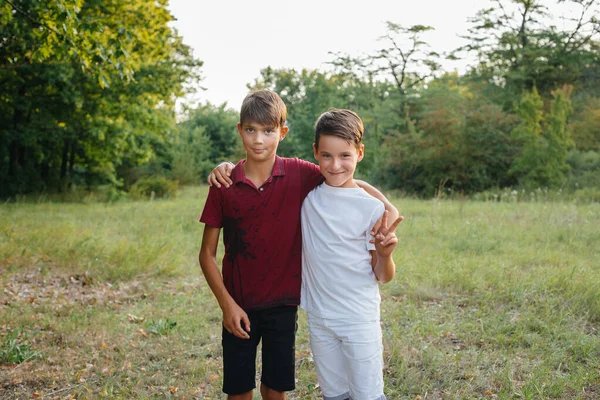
{"x": 260, "y": 141}
{"x": 337, "y": 160}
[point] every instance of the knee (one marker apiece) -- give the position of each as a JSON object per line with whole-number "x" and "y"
{"x": 270, "y": 394}
{"x": 243, "y": 396}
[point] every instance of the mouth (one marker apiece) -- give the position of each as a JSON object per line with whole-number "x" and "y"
{"x": 258, "y": 151}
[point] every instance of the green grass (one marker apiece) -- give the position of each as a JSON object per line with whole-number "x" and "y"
{"x": 490, "y": 300}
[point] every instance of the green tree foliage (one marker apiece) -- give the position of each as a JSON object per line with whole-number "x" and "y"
{"x": 219, "y": 126}
{"x": 88, "y": 90}
{"x": 544, "y": 140}
{"x": 457, "y": 140}
{"x": 584, "y": 169}
{"x": 520, "y": 45}
{"x": 207, "y": 136}
{"x": 585, "y": 126}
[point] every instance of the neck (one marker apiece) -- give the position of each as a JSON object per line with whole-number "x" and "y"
{"x": 258, "y": 171}
{"x": 351, "y": 183}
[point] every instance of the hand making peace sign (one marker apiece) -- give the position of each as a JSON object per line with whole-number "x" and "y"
{"x": 384, "y": 235}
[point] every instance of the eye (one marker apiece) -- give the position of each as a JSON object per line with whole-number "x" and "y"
{"x": 249, "y": 129}
{"x": 269, "y": 131}
{"x": 325, "y": 156}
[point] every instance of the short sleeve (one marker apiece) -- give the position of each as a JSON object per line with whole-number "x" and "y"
{"x": 378, "y": 210}
{"x": 213, "y": 208}
{"x": 310, "y": 176}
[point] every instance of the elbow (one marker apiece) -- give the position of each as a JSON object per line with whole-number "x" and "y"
{"x": 385, "y": 279}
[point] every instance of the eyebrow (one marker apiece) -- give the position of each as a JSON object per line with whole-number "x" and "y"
{"x": 255, "y": 125}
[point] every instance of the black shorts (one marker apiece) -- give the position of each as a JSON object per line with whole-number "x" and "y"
{"x": 276, "y": 327}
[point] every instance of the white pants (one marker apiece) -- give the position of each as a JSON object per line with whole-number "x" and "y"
{"x": 348, "y": 357}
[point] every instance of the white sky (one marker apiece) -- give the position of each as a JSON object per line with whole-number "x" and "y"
{"x": 237, "y": 38}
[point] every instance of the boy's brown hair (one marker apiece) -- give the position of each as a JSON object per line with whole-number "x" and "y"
{"x": 342, "y": 123}
{"x": 263, "y": 107}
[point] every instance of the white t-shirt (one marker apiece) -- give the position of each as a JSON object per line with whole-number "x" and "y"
{"x": 337, "y": 278}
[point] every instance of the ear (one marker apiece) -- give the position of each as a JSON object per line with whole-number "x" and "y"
{"x": 361, "y": 152}
{"x": 239, "y": 126}
{"x": 284, "y": 131}
{"x": 315, "y": 151}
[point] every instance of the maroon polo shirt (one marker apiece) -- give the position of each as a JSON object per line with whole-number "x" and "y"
{"x": 262, "y": 233}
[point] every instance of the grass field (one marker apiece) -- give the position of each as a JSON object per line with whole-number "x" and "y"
{"x": 491, "y": 300}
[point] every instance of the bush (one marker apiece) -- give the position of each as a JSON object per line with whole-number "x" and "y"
{"x": 585, "y": 170}
{"x": 154, "y": 187}
{"x": 587, "y": 195}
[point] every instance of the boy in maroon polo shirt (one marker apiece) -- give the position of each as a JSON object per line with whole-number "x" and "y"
{"x": 260, "y": 215}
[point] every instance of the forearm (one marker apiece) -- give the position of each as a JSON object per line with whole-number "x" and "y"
{"x": 393, "y": 211}
{"x": 384, "y": 269}
{"x": 208, "y": 263}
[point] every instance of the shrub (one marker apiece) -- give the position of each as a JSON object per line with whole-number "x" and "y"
{"x": 154, "y": 187}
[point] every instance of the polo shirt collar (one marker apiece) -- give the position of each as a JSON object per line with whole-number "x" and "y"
{"x": 237, "y": 174}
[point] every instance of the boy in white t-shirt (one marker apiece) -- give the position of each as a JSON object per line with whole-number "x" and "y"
{"x": 343, "y": 263}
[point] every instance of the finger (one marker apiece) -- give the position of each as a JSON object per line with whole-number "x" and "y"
{"x": 212, "y": 180}
{"x": 246, "y": 323}
{"x": 229, "y": 168}
{"x": 225, "y": 176}
{"x": 376, "y": 227}
{"x": 219, "y": 176}
{"x": 389, "y": 240}
{"x": 384, "y": 221}
{"x": 396, "y": 222}
{"x": 238, "y": 331}
{"x": 222, "y": 177}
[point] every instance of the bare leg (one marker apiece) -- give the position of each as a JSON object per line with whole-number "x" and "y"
{"x": 270, "y": 394}
{"x": 243, "y": 396}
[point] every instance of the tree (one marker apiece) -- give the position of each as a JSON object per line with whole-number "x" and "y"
{"x": 206, "y": 137}
{"x": 519, "y": 46}
{"x": 457, "y": 139}
{"x": 544, "y": 140}
{"x": 586, "y": 126}
{"x": 81, "y": 106}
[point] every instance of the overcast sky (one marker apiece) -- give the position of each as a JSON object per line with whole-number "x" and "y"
{"x": 237, "y": 38}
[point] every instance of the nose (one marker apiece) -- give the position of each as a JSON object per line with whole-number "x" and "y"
{"x": 258, "y": 138}
{"x": 336, "y": 164}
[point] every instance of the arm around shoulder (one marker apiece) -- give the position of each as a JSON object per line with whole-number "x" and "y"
{"x": 373, "y": 191}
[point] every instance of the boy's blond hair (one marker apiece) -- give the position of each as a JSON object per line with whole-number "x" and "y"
{"x": 342, "y": 123}
{"x": 263, "y": 107}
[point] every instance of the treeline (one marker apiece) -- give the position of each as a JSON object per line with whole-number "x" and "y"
{"x": 526, "y": 114}
{"x": 87, "y": 91}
